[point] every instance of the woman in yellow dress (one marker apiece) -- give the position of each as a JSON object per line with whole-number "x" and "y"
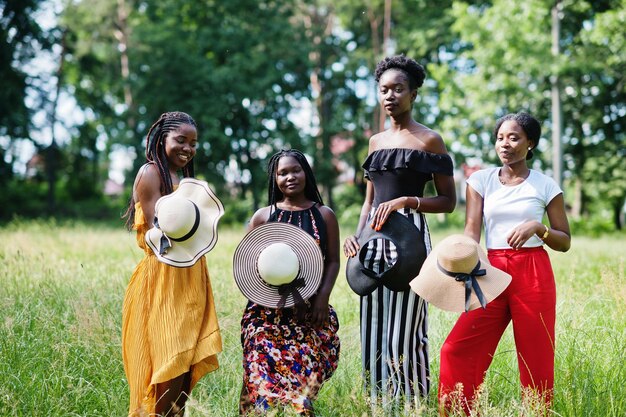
{"x": 170, "y": 334}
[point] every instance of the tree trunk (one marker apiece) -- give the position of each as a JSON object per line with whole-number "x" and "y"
{"x": 577, "y": 205}
{"x": 617, "y": 214}
{"x": 52, "y": 152}
{"x": 122, "y": 35}
{"x": 557, "y": 159}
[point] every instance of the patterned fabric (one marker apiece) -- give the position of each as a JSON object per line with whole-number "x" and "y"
{"x": 394, "y": 326}
{"x": 285, "y": 359}
{"x": 310, "y": 220}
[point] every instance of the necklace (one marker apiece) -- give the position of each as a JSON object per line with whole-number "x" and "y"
{"x": 512, "y": 180}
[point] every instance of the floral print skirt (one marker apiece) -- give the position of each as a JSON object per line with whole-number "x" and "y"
{"x": 285, "y": 360}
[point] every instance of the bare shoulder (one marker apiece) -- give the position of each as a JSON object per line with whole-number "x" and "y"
{"x": 147, "y": 180}
{"x": 375, "y": 141}
{"x": 432, "y": 141}
{"x": 326, "y": 212}
{"x": 259, "y": 217}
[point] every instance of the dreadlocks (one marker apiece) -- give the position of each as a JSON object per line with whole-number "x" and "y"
{"x": 310, "y": 189}
{"x": 155, "y": 154}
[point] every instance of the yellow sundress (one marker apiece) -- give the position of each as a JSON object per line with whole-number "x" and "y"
{"x": 169, "y": 324}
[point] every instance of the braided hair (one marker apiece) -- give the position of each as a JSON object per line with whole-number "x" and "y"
{"x": 155, "y": 154}
{"x": 529, "y": 125}
{"x": 414, "y": 71}
{"x": 310, "y": 189}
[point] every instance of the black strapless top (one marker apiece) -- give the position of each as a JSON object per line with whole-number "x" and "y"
{"x": 401, "y": 172}
{"x": 310, "y": 220}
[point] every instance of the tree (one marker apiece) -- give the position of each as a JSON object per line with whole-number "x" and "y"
{"x": 232, "y": 65}
{"x": 602, "y": 119}
{"x": 21, "y": 40}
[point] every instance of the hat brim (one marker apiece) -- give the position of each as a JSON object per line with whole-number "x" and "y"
{"x": 410, "y": 251}
{"x": 446, "y": 293}
{"x": 187, "y": 253}
{"x": 245, "y": 261}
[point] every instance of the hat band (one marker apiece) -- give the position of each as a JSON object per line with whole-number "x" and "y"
{"x": 194, "y": 228}
{"x": 165, "y": 243}
{"x": 469, "y": 279}
{"x": 291, "y": 288}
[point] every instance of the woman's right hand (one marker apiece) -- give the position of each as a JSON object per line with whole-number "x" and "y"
{"x": 351, "y": 246}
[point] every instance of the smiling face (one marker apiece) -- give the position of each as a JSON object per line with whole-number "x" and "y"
{"x": 512, "y": 143}
{"x": 290, "y": 177}
{"x": 395, "y": 94}
{"x": 180, "y": 145}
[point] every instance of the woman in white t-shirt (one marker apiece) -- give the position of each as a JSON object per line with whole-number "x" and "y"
{"x": 511, "y": 200}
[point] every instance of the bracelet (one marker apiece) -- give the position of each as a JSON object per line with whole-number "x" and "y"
{"x": 546, "y": 233}
{"x": 418, "y": 203}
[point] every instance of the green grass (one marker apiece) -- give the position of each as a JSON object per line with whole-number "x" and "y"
{"x": 61, "y": 291}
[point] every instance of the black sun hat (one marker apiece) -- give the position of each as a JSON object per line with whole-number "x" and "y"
{"x": 278, "y": 265}
{"x": 405, "y": 255}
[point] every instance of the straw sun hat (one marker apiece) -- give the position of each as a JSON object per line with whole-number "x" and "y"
{"x": 185, "y": 224}
{"x": 457, "y": 276}
{"x": 278, "y": 265}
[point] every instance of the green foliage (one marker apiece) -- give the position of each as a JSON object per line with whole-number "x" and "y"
{"x": 22, "y": 38}
{"x": 247, "y": 69}
{"x": 497, "y": 70}
{"x": 595, "y": 226}
{"x": 237, "y": 212}
{"x": 28, "y": 196}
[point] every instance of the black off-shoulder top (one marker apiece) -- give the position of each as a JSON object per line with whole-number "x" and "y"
{"x": 401, "y": 172}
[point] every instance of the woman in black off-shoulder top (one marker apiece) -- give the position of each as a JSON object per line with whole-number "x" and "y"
{"x": 401, "y": 160}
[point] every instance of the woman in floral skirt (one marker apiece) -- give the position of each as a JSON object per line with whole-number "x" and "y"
{"x": 289, "y": 352}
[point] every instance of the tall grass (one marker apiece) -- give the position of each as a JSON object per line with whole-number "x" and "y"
{"x": 61, "y": 291}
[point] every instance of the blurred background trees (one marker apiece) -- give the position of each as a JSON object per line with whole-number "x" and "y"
{"x": 82, "y": 80}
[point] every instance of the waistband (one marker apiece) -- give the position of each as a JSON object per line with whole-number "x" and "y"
{"x": 521, "y": 251}
{"x": 405, "y": 210}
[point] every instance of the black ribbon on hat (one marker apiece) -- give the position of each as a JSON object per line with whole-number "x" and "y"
{"x": 469, "y": 279}
{"x": 292, "y": 288}
{"x": 165, "y": 243}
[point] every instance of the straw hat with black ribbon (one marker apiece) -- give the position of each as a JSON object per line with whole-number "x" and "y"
{"x": 278, "y": 265}
{"x": 185, "y": 223}
{"x": 406, "y": 252}
{"x": 457, "y": 276}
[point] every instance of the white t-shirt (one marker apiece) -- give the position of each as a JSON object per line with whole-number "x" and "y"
{"x": 506, "y": 207}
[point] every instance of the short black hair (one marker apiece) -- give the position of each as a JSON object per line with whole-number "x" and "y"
{"x": 527, "y": 122}
{"x": 414, "y": 71}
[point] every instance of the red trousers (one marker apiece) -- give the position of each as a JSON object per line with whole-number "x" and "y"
{"x": 530, "y": 301}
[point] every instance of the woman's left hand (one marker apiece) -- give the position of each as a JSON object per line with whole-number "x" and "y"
{"x": 319, "y": 310}
{"x": 520, "y": 234}
{"x": 384, "y": 210}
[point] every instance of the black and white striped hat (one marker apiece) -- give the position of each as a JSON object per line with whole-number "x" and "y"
{"x": 278, "y": 265}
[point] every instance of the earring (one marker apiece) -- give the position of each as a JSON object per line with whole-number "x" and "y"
{"x": 529, "y": 148}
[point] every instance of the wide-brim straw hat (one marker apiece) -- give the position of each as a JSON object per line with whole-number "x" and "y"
{"x": 409, "y": 254}
{"x": 456, "y": 272}
{"x": 185, "y": 224}
{"x": 278, "y": 265}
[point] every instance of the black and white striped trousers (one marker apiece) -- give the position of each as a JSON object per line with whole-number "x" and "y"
{"x": 394, "y": 325}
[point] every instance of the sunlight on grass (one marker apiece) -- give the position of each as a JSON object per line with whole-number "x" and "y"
{"x": 62, "y": 291}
